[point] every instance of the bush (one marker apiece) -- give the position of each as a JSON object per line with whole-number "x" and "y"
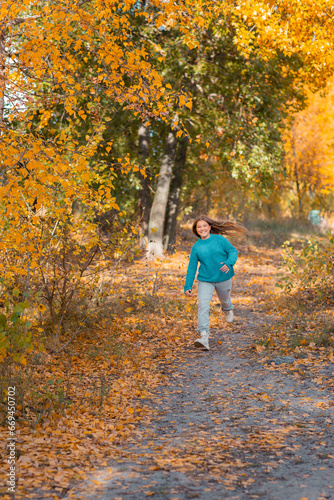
{"x": 311, "y": 268}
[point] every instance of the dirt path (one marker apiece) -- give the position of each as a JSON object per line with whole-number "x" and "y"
{"x": 228, "y": 426}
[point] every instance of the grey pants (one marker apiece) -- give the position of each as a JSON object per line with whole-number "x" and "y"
{"x": 205, "y": 292}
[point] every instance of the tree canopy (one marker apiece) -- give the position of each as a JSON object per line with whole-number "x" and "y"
{"x": 113, "y": 112}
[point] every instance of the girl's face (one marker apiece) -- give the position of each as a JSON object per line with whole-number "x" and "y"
{"x": 203, "y": 229}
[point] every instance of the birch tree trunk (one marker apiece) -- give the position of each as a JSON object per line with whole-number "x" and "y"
{"x": 145, "y": 200}
{"x": 2, "y": 87}
{"x": 3, "y": 55}
{"x": 158, "y": 210}
{"x": 2, "y": 75}
{"x": 174, "y": 195}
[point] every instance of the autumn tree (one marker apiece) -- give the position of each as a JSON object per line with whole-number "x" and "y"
{"x": 244, "y": 90}
{"x": 59, "y": 64}
{"x": 237, "y": 109}
{"x": 309, "y": 152}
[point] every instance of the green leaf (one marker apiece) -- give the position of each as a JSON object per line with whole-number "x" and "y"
{"x": 19, "y": 308}
{"x": 3, "y": 322}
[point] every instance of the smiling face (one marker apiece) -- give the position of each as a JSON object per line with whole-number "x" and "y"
{"x": 203, "y": 229}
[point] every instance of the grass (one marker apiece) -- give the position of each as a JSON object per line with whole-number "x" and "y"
{"x": 305, "y": 314}
{"x": 297, "y": 329}
{"x": 321, "y": 336}
{"x": 109, "y": 340}
{"x": 301, "y": 320}
{"x": 273, "y": 233}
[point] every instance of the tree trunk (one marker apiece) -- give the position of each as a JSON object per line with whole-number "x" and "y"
{"x": 158, "y": 210}
{"x": 299, "y": 194}
{"x": 2, "y": 88}
{"x": 174, "y": 195}
{"x": 145, "y": 200}
{"x": 2, "y": 76}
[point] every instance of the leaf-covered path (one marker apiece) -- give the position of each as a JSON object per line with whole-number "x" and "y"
{"x": 229, "y": 425}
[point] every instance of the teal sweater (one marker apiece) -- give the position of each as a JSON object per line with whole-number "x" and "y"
{"x": 211, "y": 253}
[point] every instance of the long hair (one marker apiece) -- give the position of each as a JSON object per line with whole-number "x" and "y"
{"x": 220, "y": 226}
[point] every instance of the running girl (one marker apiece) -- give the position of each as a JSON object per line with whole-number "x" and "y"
{"x": 217, "y": 257}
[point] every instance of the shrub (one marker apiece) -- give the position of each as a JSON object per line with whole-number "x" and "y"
{"x": 310, "y": 268}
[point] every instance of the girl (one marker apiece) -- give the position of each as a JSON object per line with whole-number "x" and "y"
{"x": 217, "y": 257}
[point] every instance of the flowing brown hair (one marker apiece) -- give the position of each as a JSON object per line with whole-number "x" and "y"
{"x": 220, "y": 226}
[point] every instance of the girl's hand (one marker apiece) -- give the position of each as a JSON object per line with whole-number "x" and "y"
{"x": 225, "y": 268}
{"x": 189, "y": 293}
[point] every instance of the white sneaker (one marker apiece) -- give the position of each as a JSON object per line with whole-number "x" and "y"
{"x": 228, "y": 316}
{"x": 203, "y": 342}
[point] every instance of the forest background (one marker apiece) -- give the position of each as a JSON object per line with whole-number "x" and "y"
{"x": 120, "y": 122}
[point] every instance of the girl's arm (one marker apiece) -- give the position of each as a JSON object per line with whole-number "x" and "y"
{"x": 191, "y": 271}
{"x": 231, "y": 252}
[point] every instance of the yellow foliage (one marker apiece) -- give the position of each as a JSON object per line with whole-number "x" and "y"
{"x": 309, "y": 144}
{"x": 45, "y": 170}
{"x": 293, "y": 27}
